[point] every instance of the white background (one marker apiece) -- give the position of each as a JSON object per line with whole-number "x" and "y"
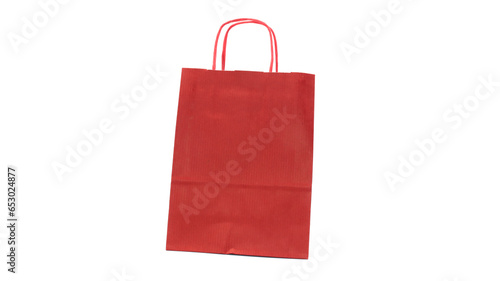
{"x": 109, "y": 215}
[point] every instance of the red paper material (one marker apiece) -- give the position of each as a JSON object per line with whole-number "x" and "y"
{"x": 242, "y": 169}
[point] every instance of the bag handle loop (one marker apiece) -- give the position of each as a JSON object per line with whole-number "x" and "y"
{"x": 272, "y": 36}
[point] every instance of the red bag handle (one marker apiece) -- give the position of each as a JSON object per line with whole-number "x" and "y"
{"x": 271, "y": 33}
{"x": 272, "y": 36}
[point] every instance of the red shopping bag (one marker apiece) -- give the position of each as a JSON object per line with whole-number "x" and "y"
{"x": 242, "y": 167}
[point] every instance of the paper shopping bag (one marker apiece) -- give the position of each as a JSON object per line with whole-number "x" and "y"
{"x": 243, "y": 156}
